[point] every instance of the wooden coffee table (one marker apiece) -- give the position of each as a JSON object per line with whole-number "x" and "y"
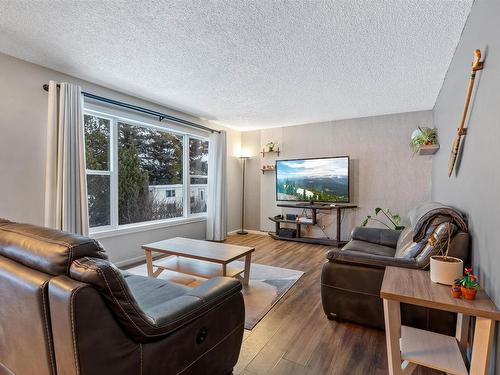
{"x": 198, "y": 258}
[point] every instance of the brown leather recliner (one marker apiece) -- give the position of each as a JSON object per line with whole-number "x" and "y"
{"x": 65, "y": 309}
{"x": 352, "y": 276}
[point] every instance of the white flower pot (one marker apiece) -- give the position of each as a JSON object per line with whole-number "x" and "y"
{"x": 446, "y": 272}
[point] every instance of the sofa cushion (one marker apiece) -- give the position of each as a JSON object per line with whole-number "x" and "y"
{"x": 379, "y": 236}
{"x": 370, "y": 248}
{"x": 148, "y": 291}
{"x": 408, "y": 249}
{"x": 48, "y": 250}
{"x": 438, "y": 242}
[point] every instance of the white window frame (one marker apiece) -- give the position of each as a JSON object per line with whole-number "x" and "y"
{"x": 115, "y": 228}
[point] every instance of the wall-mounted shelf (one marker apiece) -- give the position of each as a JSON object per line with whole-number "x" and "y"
{"x": 264, "y": 152}
{"x": 264, "y": 170}
{"x": 428, "y": 149}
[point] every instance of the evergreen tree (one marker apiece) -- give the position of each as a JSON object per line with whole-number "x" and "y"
{"x": 96, "y": 143}
{"x": 97, "y": 132}
{"x": 133, "y": 194}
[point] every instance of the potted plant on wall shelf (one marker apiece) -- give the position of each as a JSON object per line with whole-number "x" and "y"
{"x": 469, "y": 285}
{"x": 444, "y": 269}
{"x": 424, "y": 141}
{"x": 272, "y": 146}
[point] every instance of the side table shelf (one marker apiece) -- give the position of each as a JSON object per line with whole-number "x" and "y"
{"x": 408, "y": 347}
{"x": 434, "y": 350}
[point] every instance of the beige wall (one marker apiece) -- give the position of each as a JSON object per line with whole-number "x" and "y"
{"x": 383, "y": 171}
{"x": 23, "y": 119}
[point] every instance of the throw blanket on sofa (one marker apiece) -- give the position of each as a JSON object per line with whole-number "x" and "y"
{"x": 421, "y": 216}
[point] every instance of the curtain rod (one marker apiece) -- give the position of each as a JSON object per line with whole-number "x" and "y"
{"x": 136, "y": 108}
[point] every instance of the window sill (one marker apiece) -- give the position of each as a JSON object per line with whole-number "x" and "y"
{"x": 141, "y": 227}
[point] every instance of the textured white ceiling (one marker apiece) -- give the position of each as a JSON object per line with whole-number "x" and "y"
{"x": 248, "y": 64}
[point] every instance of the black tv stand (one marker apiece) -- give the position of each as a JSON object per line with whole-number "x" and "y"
{"x": 314, "y": 207}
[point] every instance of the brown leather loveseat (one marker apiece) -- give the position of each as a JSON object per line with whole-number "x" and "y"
{"x": 352, "y": 276}
{"x": 65, "y": 309}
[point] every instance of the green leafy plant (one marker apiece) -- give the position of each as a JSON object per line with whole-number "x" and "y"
{"x": 469, "y": 281}
{"x": 272, "y": 145}
{"x": 389, "y": 219}
{"x": 423, "y": 136}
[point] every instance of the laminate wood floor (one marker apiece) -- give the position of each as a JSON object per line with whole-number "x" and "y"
{"x": 295, "y": 337}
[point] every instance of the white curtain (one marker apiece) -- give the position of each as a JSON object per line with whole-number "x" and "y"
{"x": 65, "y": 185}
{"x": 217, "y": 188}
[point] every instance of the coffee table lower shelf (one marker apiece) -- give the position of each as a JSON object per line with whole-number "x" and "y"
{"x": 433, "y": 350}
{"x": 195, "y": 267}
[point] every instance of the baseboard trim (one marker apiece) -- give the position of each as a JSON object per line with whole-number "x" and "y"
{"x": 135, "y": 260}
{"x": 142, "y": 258}
{"x": 251, "y": 231}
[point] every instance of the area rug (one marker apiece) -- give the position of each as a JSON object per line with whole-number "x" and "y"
{"x": 266, "y": 287}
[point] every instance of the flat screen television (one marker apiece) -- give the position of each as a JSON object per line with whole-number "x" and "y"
{"x": 313, "y": 180}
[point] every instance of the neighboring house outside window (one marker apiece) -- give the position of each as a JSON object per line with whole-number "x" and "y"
{"x": 136, "y": 172}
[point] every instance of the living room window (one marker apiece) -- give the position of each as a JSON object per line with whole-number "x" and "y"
{"x": 138, "y": 173}
{"x": 198, "y": 174}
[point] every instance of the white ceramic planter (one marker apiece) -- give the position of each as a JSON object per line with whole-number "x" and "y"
{"x": 446, "y": 272}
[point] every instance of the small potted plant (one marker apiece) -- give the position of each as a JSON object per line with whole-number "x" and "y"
{"x": 469, "y": 285}
{"x": 444, "y": 269}
{"x": 272, "y": 146}
{"x": 456, "y": 289}
{"x": 424, "y": 141}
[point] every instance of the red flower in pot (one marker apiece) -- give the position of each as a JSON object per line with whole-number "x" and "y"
{"x": 469, "y": 284}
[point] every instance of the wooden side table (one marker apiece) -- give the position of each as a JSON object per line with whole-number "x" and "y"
{"x": 408, "y": 347}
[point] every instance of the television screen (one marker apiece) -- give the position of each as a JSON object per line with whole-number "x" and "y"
{"x": 317, "y": 180}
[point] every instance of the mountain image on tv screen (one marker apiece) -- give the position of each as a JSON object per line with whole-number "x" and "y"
{"x": 320, "y": 180}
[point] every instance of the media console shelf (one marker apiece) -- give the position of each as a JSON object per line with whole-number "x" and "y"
{"x": 315, "y": 207}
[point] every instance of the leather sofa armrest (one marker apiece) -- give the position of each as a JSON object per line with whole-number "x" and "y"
{"x": 379, "y": 236}
{"x": 372, "y": 260}
{"x": 194, "y": 303}
{"x": 152, "y": 322}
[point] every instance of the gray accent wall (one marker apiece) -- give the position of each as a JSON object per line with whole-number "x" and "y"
{"x": 383, "y": 170}
{"x": 475, "y": 188}
{"x": 23, "y": 123}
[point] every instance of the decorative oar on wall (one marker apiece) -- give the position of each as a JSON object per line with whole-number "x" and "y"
{"x": 462, "y": 130}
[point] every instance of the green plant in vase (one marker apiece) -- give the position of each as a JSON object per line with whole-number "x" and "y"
{"x": 389, "y": 219}
{"x": 423, "y": 136}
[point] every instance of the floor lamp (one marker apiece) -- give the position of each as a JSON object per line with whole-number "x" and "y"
{"x": 244, "y": 162}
